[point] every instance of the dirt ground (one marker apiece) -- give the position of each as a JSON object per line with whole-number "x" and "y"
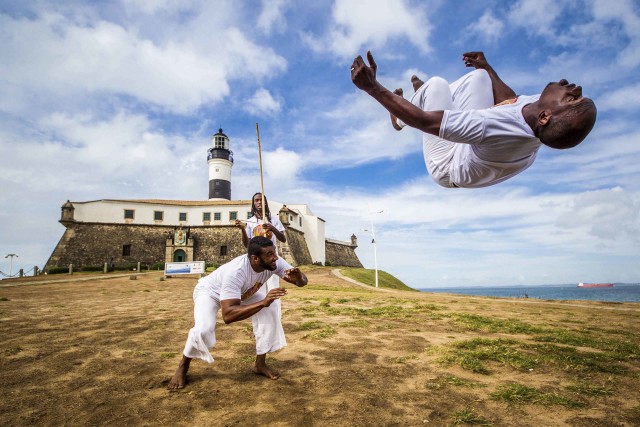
{"x": 101, "y": 352}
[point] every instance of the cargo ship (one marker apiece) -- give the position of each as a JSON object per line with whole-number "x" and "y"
{"x": 595, "y": 285}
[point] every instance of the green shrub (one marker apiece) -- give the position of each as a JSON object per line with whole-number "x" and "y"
{"x": 91, "y": 268}
{"x": 57, "y": 270}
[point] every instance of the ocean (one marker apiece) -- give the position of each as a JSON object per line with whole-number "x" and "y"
{"x": 620, "y": 292}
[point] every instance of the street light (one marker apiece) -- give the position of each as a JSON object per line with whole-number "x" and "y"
{"x": 373, "y": 240}
{"x": 11, "y": 262}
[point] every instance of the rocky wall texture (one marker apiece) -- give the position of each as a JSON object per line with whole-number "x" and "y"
{"x": 94, "y": 244}
{"x": 295, "y": 251}
{"x": 341, "y": 255}
{"x": 87, "y": 244}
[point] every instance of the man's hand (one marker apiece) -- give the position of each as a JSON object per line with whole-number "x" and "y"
{"x": 241, "y": 225}
{"x": 475, "y": 60}
{"x": 273, "y": 295}
{"x": 363, "y": 76}
{"x": 295, "y": 276}
{"x": 268, "y": 227}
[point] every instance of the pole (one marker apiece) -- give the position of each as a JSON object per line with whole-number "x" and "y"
{"x": 261, "y": 180}
{"x": 375, "y": 253}
{"x": 10, "y": 256}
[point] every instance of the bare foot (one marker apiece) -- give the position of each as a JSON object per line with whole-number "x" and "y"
{"x": 398, "y": 91}
{"x": 266, "y": 371}
{"x": 179, "y": 379}
{"x": 416, "y": 82}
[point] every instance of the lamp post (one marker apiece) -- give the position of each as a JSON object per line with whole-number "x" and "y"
{"x": 10, "y": 256}
{"x": 373, "y": 241}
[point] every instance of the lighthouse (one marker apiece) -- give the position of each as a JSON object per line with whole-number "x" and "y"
{"x": 220, "y": 160}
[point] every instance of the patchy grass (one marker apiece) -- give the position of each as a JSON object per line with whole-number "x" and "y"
{"x": 467, "y": 416}
{"x": 12, "y": 351}
{"x": 590, "y": 389}
{"x": 445, "y": 381}
{"x": 323, "y": 333}
{"x": 519, "y": 393}
{"x": 404, "y": 359}
{"x": 396, "y": 312}
{"x": 4, "y": 299}
{"x": 307, "y": 326}
{"x": 168, "y": 355}
{"x": 135, "y": 353}
{"x": 361, "y": 323}
{"x": 570, "y": 359}
{"x": 474, "y": 322}
{"x": 473, "y": 354}
{"x": 626, "y": 349}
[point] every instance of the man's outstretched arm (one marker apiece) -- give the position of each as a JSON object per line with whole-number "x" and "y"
{"x": 501, "y": 91}
{"x": 364, "y": 77}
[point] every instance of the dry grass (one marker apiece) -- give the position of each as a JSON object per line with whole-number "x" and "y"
{"x": 101, "y": 352}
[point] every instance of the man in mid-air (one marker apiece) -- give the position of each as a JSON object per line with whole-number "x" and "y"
{"x": 476, "y": 131}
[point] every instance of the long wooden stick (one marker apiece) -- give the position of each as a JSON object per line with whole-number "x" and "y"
{"x": 261, "y": 180}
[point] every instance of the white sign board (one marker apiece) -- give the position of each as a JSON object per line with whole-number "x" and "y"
{"x": 174, "y": 268}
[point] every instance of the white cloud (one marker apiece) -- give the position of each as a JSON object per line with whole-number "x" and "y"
{"x": 281, "y": 167}
{"x": 262, "y": 102}
{"x": 370, "y": 24}
{"x": 429, "y": 236}
{"x": 624, "y": 99}
{"x": 52, "y": 56}
{"x": 609, "y": 215}
{"x": 155, "y": 6}
{"x": 537, "y": 16}
{"x": 272, "y": 16}
{"x": 625, "y": 12}
{"x": 488, "y": 27}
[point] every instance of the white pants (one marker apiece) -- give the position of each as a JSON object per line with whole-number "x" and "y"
{"x": 473, "y": 91}
{"x": 267, "y": 325}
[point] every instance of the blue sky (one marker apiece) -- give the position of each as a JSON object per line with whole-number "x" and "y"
{"x": 120, "y": 99}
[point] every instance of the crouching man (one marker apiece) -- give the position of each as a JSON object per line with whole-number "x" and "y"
{"x": 237, "y": 288}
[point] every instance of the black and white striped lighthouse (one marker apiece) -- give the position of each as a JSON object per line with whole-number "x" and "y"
{"x": 220, "y": 160}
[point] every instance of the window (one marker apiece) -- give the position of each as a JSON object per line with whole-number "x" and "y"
{"x": 217, "y": 216}
{"x": 129, "y": 213}
{"x": 291, "y": 218}
{"x": 126, "y": 250}
{"x": 182, "y": 216}
{"x": 248, "y": 214}
{"x": 158, "y": 215}
{"x": 219, "y": 142}
{"x": 223, "y": 250}
{"x": 300, "y": 221}
{"x": 233, "y": 216}
{"x": 206, "y": 216}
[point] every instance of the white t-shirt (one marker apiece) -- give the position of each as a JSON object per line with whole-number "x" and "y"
{"x": 253, "y": 222}
{"x": 494, "y": 144}
{"x": 237, "y": 280}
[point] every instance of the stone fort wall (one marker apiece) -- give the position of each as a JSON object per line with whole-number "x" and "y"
{"x": 341, "y": 254}
{"x": 93, "y": 244}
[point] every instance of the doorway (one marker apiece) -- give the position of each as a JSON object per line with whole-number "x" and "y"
{"x": 179, "y": 256}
